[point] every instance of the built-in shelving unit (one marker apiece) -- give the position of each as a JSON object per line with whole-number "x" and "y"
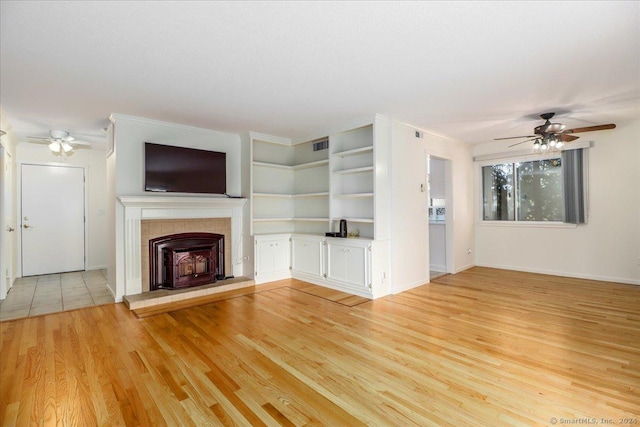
{"x": 290, "y": 189}
{"x": 352, "y": 179}
{"x": 297, "y": 194}
{"x": 296, "y": 189}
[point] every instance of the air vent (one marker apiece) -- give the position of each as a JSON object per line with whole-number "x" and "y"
{"x": 321, "y": 144}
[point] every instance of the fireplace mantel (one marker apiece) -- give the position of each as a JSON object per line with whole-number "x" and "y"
{"x": 138, "y": 208}
{"x": 168, "y": 202}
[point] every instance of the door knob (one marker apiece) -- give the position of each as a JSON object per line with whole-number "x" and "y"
{"x": 10, "y": 229}
{"x": 27, "y": 226}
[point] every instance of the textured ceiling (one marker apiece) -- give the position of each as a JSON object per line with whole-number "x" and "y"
{"x": 472, "y": 71}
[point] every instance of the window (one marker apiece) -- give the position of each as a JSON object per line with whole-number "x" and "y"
{"x": 523, "y": 191}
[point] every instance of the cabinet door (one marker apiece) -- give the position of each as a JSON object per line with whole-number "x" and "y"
{"x": 272, "y": 256}
{"x": 348, "y": 264}
{"x": 306, "y": 256}
{"x": 281, "y": 256}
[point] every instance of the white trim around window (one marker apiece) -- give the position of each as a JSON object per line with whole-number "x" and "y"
{"x": 531, "y": 224}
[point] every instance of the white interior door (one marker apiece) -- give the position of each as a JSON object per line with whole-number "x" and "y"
{"x": 52, "y": 219}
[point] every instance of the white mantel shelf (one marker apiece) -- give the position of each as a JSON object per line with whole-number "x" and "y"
{"x": 138, "y": 208}
{"x": 164, "y": 202}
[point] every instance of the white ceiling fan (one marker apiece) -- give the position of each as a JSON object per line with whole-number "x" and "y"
{"x": 60, "y": 142}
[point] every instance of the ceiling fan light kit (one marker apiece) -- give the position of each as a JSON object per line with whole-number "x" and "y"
{"x": 552, "y": 136}
{"x": 549, "y": 143}
{"x": 60, "y": 142}
{"x": 54, "y": 146}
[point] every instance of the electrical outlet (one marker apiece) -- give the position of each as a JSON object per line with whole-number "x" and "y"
{"x": 469, "y": 251}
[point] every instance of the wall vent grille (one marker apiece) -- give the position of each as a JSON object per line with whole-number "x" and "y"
{"x": 321, "y": 144}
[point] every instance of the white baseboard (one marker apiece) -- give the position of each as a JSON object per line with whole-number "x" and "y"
{"x": 438, "y": 267}
{"x": 598, "y": 278}
{"x": 463, "y": 268}
{"x": 408, "y": 286}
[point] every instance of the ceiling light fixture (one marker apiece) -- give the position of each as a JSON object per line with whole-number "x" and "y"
{"x": 54, "y": 147}
{"x": 546, "y": 143}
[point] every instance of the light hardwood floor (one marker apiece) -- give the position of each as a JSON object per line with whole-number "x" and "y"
{"x": 480, "y": 348}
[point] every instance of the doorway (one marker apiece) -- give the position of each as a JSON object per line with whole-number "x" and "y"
{"x": 440, "y": 207}
{"x": 52, "y": 219}
{"x": 7, "y": 226}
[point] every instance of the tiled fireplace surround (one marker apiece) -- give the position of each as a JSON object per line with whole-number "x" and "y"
{"x": 146, "y": 217}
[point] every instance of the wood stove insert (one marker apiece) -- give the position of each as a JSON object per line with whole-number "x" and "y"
{"x": 185, "y": 260}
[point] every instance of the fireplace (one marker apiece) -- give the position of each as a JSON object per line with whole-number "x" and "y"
{"x": 147, "y": 217}
{"x": 185, "y": 260}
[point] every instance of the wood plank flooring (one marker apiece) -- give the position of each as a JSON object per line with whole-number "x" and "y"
{"x": 328, "y": 293}
{"x": 484, "y": 347}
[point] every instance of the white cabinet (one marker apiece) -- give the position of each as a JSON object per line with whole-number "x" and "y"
{"x": 273, "y": 258}
{"x": 349, "y": 265}
{"x": 342, "y": 264}
{"x": 307, "y": 257}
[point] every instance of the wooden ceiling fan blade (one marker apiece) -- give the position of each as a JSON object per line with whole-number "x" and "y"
{"x": 591, "y": 128}
{"x": 568, "y": 138}
{"x": 515, "y": 137}
{"x": 522, "y": 142}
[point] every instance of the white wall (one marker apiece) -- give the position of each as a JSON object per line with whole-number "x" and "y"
{"x": 126, "y": 171}
{"x": 607, "y": 247}
{"x": 132, "y": 132}
{"x": 95, "y": 166}
{"x": 409, "y": 214}
{"x": 8, "y": 203}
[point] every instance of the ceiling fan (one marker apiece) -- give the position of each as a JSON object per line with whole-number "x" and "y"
{"x": 553, "y": 135}
{"x": 60, "y": 142}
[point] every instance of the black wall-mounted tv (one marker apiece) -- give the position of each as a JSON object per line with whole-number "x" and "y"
{"x": 170, "y": 169}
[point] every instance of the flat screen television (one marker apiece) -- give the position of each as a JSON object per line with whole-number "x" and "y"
{"x": 170, "y": 169}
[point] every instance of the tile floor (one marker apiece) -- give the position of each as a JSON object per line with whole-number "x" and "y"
{"x": 35, "y": 295}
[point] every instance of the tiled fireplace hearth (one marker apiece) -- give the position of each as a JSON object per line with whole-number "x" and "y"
{"x": 148, "y": 217}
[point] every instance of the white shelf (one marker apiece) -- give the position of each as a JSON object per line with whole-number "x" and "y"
{"x": 362, "y": 220}
{"x": 305, "y": 195}
{"x": 273, "y": 195}
{"x": 294, "y": 167}
{"x": 291, "y": 196}
{"x": 272, "y": 165}
{"x": 353, "y": 195}
{"x": 354, "y": 152}
{"x": 311, "y": 165}
{"x": 324, "y": 219}
{"x": 354, "y": 170}
{"x": 272, "y": 219}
